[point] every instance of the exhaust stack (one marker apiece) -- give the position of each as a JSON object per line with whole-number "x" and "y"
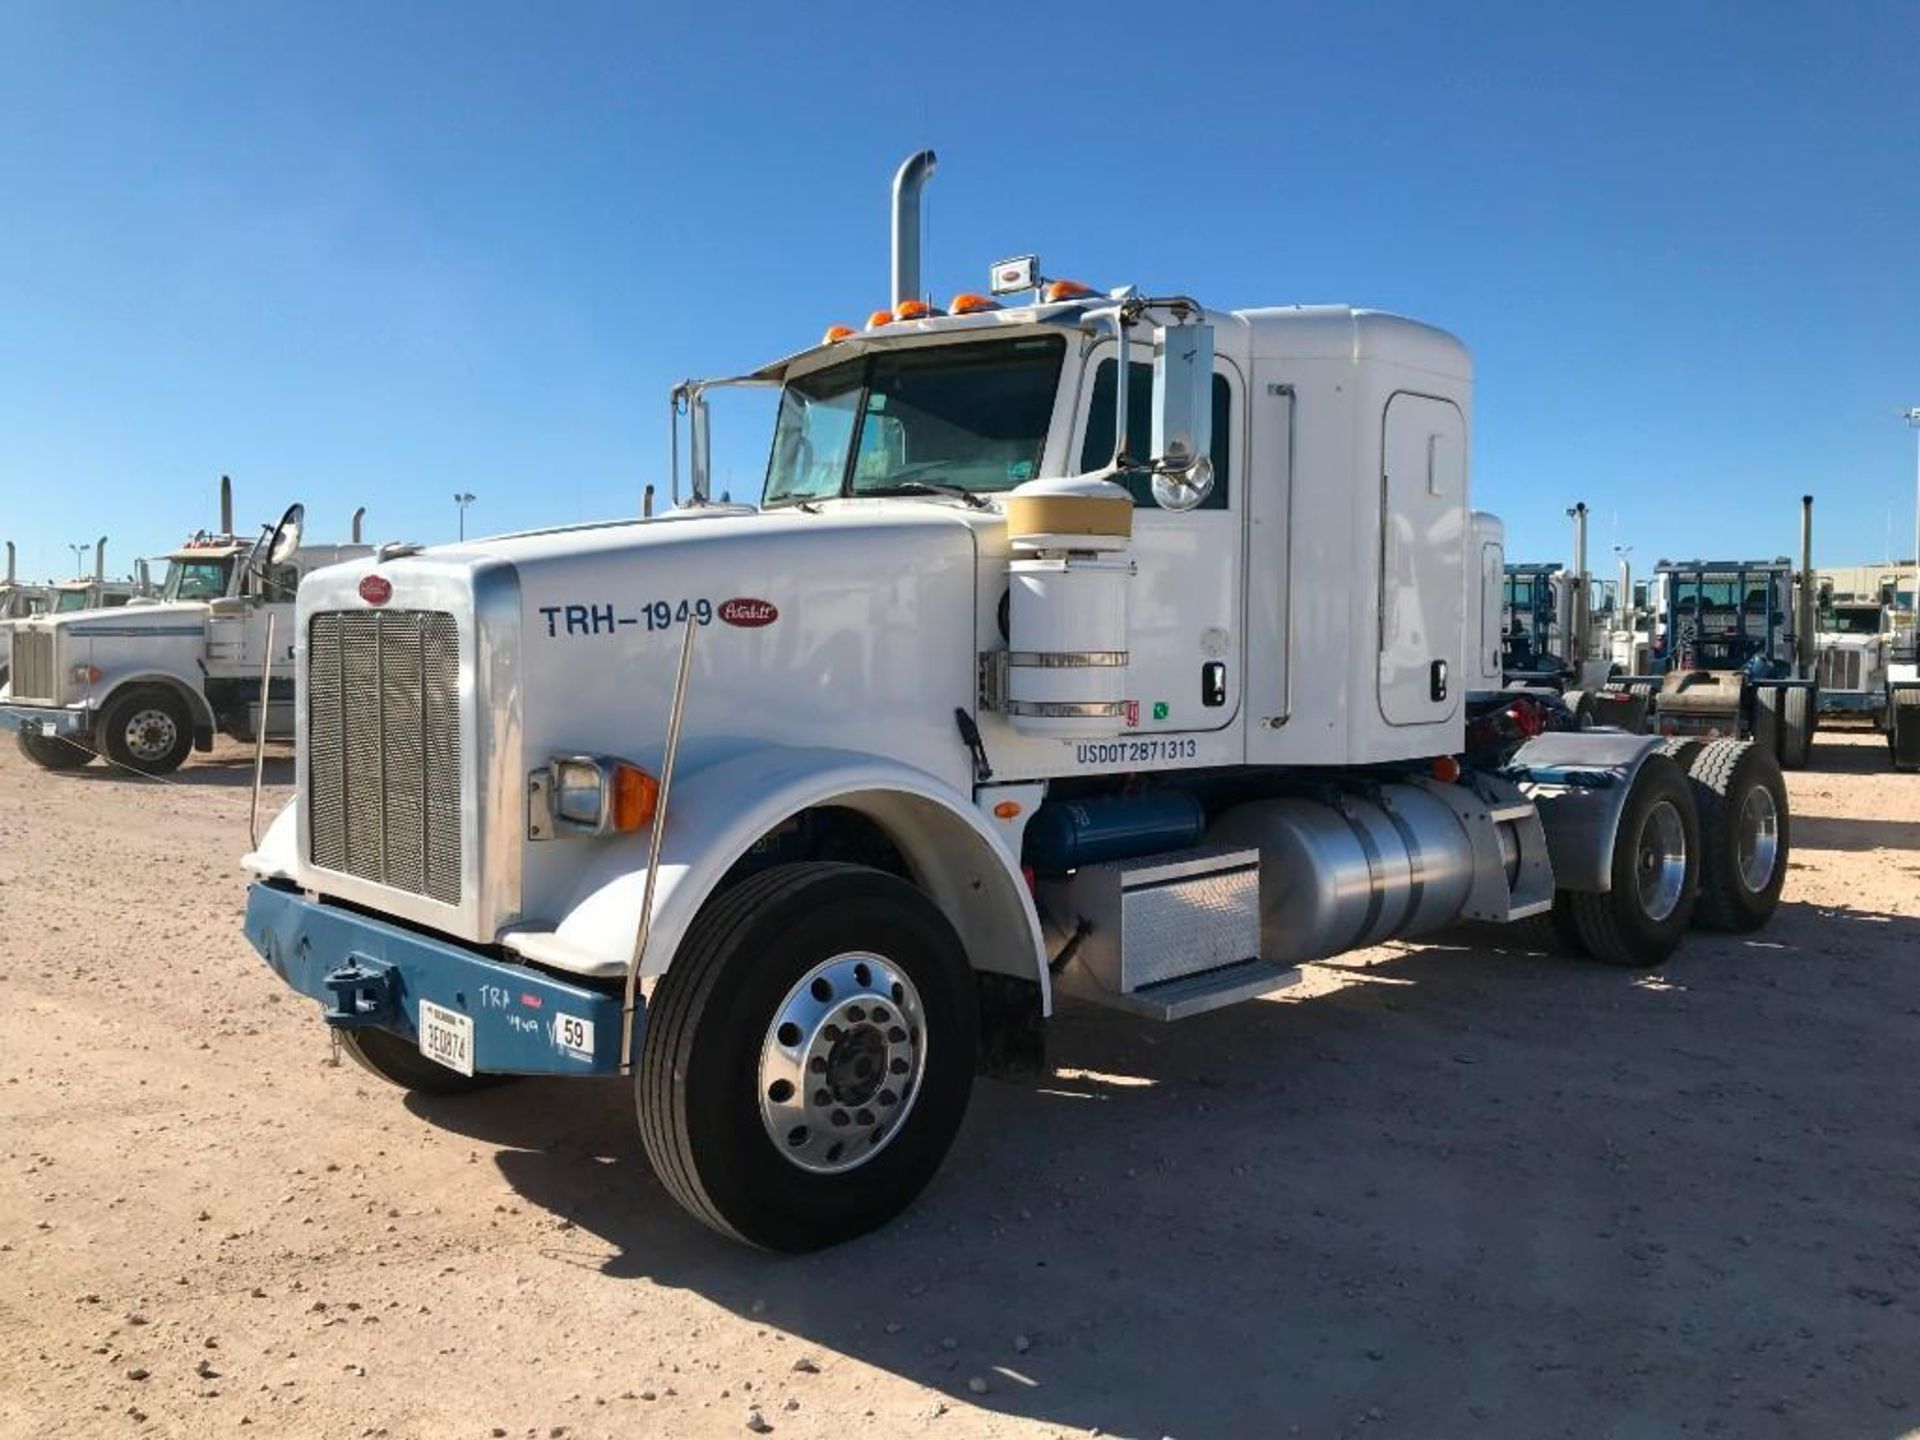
{"x": 100, "y": 560}
{"x": 226, "y": 505}
{"x": 1582, "y": 601}
{"x": 358, "y": 516}
{"x": 1805, "y": 622}
{"x": 9, "y": 562}
{"x": 907, "y": 184}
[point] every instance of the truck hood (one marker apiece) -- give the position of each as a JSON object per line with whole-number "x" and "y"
{"x": 179, "y": 617}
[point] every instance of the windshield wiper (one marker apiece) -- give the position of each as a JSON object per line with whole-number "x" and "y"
{"x": 927, "y": 487}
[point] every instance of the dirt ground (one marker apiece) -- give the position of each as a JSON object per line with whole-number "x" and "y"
{"x": 1441, "y": 1190}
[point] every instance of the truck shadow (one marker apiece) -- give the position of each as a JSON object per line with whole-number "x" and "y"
{"x": 221, "y": 772}
{"x": 1457, "y": 1189}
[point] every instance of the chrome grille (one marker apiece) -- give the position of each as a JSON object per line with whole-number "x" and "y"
{"x": 1840, "y": 669}
{"x": 33, "y": 677}
{"x": 383, "y": 748}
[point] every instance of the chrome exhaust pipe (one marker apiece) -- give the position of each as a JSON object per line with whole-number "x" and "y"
{"x": 100, "y": 560}
{"x": 1805, "y": 620}
{"x": 358, "y": 516}
{"x": 1582, "y": 609}
{"x": 9, "y": 562}
{"x": 226, "y": 505}
{"x": 908, "y": 182}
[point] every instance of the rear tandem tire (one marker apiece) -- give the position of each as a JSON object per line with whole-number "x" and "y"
{"x": 1797, "y": 722}
{"x": 847, "y": 979}
{"x": 1655, "y": 872}
{"x": 1742, "y": 801}
{"x": 50, "y": 752}
{"x": 400, "y": 1063}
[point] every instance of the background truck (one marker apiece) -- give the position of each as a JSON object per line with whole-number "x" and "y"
{"x": 1082, "y": 644}
{"x": 95, "y": 591}
{"x": 17, "y": 602}
{"x": 147, "y": 684}
{"x": 1562, "y": 633}
{"x": 1734, "y": 654}
{"x": 1854, "y": 645}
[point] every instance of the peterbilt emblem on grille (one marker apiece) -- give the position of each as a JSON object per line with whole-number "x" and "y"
{"x": 748, "y": 614}
{"x": 376, "y": 589}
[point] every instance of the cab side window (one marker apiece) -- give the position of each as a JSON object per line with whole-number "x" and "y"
{"x": 1096, "y": 451}
{"x": 280, "y": 583}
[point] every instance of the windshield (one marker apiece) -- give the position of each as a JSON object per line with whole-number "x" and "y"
{"x": 69, "y": 600}
{"x": 971, "y": 417}
{"x": 197, "y": 579}
{"x": 1856, "y": 620}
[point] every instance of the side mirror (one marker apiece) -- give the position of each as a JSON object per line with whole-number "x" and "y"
{"x": 1182, "y": 415}
{"x": 700, "y": 460}
{"x": 286, "y": 535}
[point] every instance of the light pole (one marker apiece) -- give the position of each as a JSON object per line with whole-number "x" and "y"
{"x": 79, "y": 558}
{"x": 463, "y": 498}
{"x": 1912, "y": 417}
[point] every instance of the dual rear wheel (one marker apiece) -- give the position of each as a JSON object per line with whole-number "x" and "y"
{"x": 1703, "y": 841}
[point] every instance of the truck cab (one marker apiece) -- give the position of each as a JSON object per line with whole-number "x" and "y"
{"x": 146, "y": 684}
{"x": 1854, "y": 645}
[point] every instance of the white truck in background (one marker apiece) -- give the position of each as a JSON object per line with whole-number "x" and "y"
{"x": 147, "y": 684}
{"x": 17, "y": 602}
{"x": 1090, "y": 645}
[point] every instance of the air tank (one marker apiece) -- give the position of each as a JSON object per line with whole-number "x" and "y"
{"x": 1067, "y": 611}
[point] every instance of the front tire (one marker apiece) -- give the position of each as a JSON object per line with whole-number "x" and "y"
{"x": 50, "y": 752}
{"x": 1643, "y": 918}
{"x": 148, "y": 729}
{"x": 1742, "y": 801}
{"x": 809, "y": 1055}
{"x": 400, "y": 1063}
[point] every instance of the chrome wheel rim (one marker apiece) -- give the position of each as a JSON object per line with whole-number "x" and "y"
{"x": 150, "y": 734}
{"x": 1757, "y": 832}
{"x": 1660, "y": 861}
{"x": 841, "y": 1063}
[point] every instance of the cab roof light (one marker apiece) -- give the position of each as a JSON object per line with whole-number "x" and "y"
{"x": 915, "y": 310}
{"x": 971, "y": 304}
{"x": 879, "y": 318}
{"x": 1058, "y": 290}
{"x": 836, "y": 333}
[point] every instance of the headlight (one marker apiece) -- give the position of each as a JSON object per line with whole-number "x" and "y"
{"x": 84, "y": 674}
{"x": 598, "y": 795}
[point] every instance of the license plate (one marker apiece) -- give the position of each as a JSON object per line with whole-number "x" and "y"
{"x": 49, "y": 729}
{"x": 446, "y": 1037}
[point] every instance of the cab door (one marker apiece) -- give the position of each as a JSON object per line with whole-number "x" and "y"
{"x": 1423, "y": 487}
{"x": 1183, "y": 613}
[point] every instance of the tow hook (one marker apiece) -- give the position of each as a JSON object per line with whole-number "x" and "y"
{"x": 363, "y": 994}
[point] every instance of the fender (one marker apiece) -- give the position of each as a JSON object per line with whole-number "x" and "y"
{"x": 279, "y": 851}
{"x": 717, "y": 813}
{"x": 1579, "y": 782}
{"x": 101, "y": 695}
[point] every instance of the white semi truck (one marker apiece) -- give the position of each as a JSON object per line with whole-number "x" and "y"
{"x": 147, "y": 684}
{"x": 1100, "y": 645}
{"x": 17, "y": 601}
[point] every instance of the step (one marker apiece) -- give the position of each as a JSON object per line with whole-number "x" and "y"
{"x": 1188, "y": 995}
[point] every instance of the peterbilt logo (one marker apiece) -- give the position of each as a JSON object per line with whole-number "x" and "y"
{"x": 375, "y": 589}
{"x": 748, "y": 614}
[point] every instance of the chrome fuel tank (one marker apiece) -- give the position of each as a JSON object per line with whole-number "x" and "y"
{"x": 1348, "y": 871}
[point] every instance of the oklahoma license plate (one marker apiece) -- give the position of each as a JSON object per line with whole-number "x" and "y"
{"x": 446, "y": 1037}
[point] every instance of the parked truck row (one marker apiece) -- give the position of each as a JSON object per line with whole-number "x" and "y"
{"x": 146, "y": 681}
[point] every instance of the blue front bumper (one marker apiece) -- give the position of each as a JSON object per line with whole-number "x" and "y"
{"x": 371, "y": 974}
{"x": 43, "y": 719}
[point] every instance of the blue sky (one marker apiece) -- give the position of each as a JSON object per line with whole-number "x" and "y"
{"x": 364, "y": 253}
